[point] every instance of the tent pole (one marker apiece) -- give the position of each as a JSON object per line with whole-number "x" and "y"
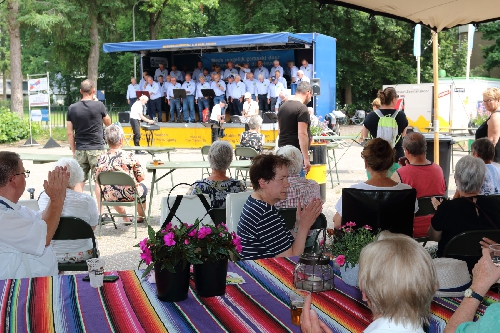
{"x": 436, "y": 95}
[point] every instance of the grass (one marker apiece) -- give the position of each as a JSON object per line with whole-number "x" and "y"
{"x": 58, "y": 134}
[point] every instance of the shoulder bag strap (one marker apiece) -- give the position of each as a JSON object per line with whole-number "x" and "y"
{"x": 483, "y": 212}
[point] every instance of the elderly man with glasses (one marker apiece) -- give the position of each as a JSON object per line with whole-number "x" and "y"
{"x": 25, "y": 249}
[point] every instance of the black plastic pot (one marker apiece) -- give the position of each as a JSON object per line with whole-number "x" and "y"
{"x": 210, "y": 278}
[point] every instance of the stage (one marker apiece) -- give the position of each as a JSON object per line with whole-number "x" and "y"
{"x": 195, "y": 135}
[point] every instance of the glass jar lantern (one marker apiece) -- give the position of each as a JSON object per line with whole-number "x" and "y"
{"x": 313, "y": 273}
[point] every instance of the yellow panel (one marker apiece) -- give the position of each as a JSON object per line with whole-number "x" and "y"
{"x": 422, "y": 123}
{"x": 317, "y": 173}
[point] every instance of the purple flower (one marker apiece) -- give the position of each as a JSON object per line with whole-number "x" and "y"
{"x": 146, "y": 256}
{"x": 167, "y": 227}
{"x": 143, "y": 244}
{"x": 192, "y": 233}
{"x": 169, "y": 239}
{"x": 340, "y": 259}
{"x": 204, "y": 232}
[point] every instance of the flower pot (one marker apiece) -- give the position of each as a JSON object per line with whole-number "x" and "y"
{"x": 210, "y": 278}
{"x": 172, "y": 287}
{"x": 350, "y": 275}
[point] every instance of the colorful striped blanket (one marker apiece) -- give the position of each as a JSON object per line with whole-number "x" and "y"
{"x": 68, "y": 304}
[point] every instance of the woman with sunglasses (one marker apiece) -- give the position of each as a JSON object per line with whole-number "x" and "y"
{"x": 491, "y": 127}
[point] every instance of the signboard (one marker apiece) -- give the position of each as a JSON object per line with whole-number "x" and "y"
{"x": 156, "y": 61}
{"x": 40, "y": 115}
{"x": 251, "y": 57}
{"x": 39, "y": 100}
{"x": 38, "y": 84}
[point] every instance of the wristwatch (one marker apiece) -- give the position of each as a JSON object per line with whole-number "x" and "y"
{"x": 469, "y": 293}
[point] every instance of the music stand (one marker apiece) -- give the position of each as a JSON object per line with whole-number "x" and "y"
{"x": 179, "y": 93}
{"x": 139, "y": 93}
{"x": 208, "y": 92}
{"x": 273, "y": 117}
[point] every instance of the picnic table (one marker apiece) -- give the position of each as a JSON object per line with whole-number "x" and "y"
{"x": 42, "y": 158}
{"x": 172, "y": 166}
{"x": 152, "y": 150}
{"x": 65, "y": 303}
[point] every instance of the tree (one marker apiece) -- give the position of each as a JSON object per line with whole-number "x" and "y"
{"x": 16, "y": 76}
{"x": 491, "y": 31}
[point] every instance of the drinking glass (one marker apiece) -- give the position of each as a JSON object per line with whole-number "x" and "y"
{"x": 495, "y": 253}
{"x": 297, "y": 299}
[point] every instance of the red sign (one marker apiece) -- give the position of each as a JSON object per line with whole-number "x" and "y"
{"x": 444, "y": 93}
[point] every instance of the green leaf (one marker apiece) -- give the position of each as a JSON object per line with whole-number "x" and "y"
{"x": 147, "y": 270}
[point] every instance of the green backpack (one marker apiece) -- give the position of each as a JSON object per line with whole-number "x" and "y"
{"x": 388, "y": 127}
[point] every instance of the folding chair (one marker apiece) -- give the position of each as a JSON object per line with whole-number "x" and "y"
{"x": 71, "y": 228}
{"x": 425, "y": 208}
{"x": 117, "y": 178}
{"x": 466, "y": 247}
{"x": 380, "y": 209}
{"x": 204, "y": 152}
{"x": 127, "y": 138}
{"x": 244, "y": 152}
{"x": 331, "y": 148}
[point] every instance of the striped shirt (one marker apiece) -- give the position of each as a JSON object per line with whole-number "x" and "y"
{"x": 262, "y": 230}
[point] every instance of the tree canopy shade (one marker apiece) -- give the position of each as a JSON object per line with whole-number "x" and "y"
{"x": 435, "y": 14}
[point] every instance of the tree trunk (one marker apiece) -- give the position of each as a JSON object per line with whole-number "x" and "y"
{"x": 16, "y": 76}
{"x": 93, "y": 60}
{"x": 152, "y": 26}
{"x": 348, "y": 94}
{"x": 4, "y": 84}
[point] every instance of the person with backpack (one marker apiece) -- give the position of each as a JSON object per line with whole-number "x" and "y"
{"x": 387, "y": 123}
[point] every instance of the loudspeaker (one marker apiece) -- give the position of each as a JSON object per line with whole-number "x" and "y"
{"x": 316, "y": 86}
{"x": 124, "y": 117}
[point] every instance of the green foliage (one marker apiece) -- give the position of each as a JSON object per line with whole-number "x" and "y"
{"x": 214, "y": 243}
{"x": 348, "y": 242}
{"x": 491, "y": 31}
{"x": 13, "y": 128}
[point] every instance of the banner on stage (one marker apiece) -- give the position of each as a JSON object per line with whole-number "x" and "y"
{"x": 39, "y": 100}
{"x": 40, "y": 115}
{"x": 38, "y": 84}
{"x": 156, "y": 61}
{"x": 249, "y": 56}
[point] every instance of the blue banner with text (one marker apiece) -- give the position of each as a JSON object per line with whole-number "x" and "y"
{"x": 249, "y": 56}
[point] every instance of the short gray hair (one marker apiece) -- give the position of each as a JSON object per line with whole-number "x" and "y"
{"x": 87, "y": 86}
{"x": 295, "y": 157}
{"x": 255, "y": 122}
{"x": 260, "y": 76}
{"x": 469, "y": 174}
{"x": 75, "y": 170}
{"x": 220, "y": 155}
{"x": 304, "y": 87}
{"x": 114, "y": 134}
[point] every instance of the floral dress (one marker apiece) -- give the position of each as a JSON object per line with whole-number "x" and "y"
{"x": 122, "y": 161}
{"x": 217, "y": 190}
{"x": 252, "y": 140}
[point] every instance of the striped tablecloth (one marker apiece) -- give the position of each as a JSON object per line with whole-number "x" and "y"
{"x": 68, "y": 304}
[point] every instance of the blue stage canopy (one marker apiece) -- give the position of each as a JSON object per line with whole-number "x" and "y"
{"x": 233, "y": 41}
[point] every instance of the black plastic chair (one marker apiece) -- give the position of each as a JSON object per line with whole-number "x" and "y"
{"x": 384, "y": 210}
{"x": 321, "y": 223}
{"x": 71, "y": 228}
{"x": 465, "y": 246}
{"x": 426, "y": 208}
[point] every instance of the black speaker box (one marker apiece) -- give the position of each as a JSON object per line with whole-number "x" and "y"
{"x": 124, "y": 117}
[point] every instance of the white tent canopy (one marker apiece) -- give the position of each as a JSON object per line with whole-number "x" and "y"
{"x": 435, "y": 14}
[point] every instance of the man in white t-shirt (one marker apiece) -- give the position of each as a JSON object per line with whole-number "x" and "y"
{"x": 25, "y": 236}
{"x": 217, "y": 117}
{"x": 136, "y": 115}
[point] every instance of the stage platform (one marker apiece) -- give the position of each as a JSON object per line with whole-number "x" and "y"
{"x": 195, "y": 135}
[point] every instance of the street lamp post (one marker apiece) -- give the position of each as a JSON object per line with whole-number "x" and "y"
{"x": 133, "y": 33}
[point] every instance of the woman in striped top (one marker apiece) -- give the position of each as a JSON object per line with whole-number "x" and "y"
{"x": 261, "y": 228}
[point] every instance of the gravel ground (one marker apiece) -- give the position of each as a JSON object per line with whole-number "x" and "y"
{"x": 117, "y": 245}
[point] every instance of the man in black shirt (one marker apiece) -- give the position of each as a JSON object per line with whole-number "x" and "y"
{"x": 294, "y": 122}
{"x": 84, "y": 127}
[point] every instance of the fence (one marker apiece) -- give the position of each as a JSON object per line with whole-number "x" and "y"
{"x": 58, "y": 115}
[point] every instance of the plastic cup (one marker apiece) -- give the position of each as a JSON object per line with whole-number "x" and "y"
{"x": 96, "y": 272}
{"x": 297, "y": 299}
{"x": 155, "y": 162}
{"x": 495, "y": 253}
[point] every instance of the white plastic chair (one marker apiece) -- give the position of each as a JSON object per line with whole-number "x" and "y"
{"x": 190, "y": 209}
{"x": 30, "y": 203}
{"x": 234, "y": 207}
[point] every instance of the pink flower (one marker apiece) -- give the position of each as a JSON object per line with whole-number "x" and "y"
{"x": 224, "y": 225}
{"x": 321, "y": 242}
{"x": 350, "y": 224}
{"x": 167, "y": 227}
{"x": 143, "y": 244}
{"x": 348, "y": 230}
{"x": 340, "y": 259}
{"x": 367, "y": 227}
{"x": 169, "y": 239}
{"x": 204, "y": 232}
{"x": 146, "y": 256}
{"x": 192, "y": 233}
{"x": 186, "y": 242}
{"x": 237, "y": 242}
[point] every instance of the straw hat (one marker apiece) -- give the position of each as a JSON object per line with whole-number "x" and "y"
{"x": 453, "y": 277}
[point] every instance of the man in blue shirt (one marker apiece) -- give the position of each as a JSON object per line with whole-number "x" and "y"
{"x": 203, "y": 102}
{"x": 261, "y": 70}
{"x": 219, "y": 88}
{"x": 237, "y": 95}
{"x": 230, "y": 70}
{"x": 177, "y": 74}
{"x": 229, "y": 94}
{"x": 276, "y": 67}
{"x": 132, "y": 88}
{"x": 174, "y": 103}
{"x": 251, "y": 85}
{"x": 198, "y": 71}
{"x": 262, "y": 92}
{"x": 307, "y": 68}
{"x": 188, "y": 102}
{"x": 154, "y": 103}
{"x": 161, "y": 71}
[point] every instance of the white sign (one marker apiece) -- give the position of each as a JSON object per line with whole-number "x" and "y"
{"x": 39, "y": 100}
{"x": 36, "y": 115}
{"x": 38, "y": 84}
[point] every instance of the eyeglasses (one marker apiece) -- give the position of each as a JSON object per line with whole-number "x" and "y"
{"x": 488, "y": 101}
{"x": 26, "y": 174}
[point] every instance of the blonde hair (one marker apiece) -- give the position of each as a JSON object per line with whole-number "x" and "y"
{"x": 376, "y": 103}
{"x": 493, "y": 93}
{"x": 398, "y": 278}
